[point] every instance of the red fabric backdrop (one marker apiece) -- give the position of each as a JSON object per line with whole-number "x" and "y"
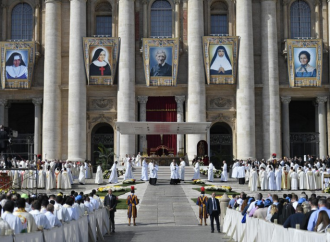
{"x": 161, "y": 109}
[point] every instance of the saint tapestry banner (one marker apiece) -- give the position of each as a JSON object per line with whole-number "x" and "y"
{"x": 304, "y": 62}
{"x": 161, "y": 61}
{"x": 101, "y": 58}
{"x": 17, "y": 64}
{"x": 220, "y": 59}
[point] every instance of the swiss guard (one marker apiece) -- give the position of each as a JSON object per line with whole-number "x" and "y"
{"x": 132, "y": 201}
{"x": 201, "y": 202}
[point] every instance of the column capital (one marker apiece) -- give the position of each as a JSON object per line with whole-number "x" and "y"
{"x": 142, "y": 99}
{"x": 177, "y": 1}
{"x": 321, "y": 99}
{"x": 3, "y": 102}
{"x": 180, "y": 99}
{"x": 285, "y": 99}
{"x": 50, "y": 1}
{"x": 37, "y": 101}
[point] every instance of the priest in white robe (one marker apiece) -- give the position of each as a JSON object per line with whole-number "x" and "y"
{"x": 41, "y": 178}
{"x": 224, "y": 173}
{"x": 210, "y": 175}
{"x": 318, "y": 182}
{"x": 153, "y": 168}
{"x": 310, "y": 180}
{"x": 302, "y": 179}
{"x": 28, "y": 223}
{"x": 50, "y": 179}
{"x": 196, "y": 171}
{"x": 263, "y": 179}
{"x": 278, "y": 178}
{"x": 234, "y": 171}
{"x": 182, "y": 168}
{"x": 294, "y": 180}
{"x": 113, "y": 176}
{"x": 40, "y": 218}
{"x": 241, "y": 174}
{"x": 65, "y": 181}
{"x": 174, "y": 173}
{"x": 138, "y": 160}
{"x": 144, "y": 170}
{"x": 99, "y": 175}
{"x": 271, "y": 180}
{"x": 82, "y": 174}
{"x": 253, "y": 180}
{"x": 128, "y": 172}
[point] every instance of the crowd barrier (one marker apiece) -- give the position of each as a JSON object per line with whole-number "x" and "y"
{"x": 258, "y": 230}
{"x": 90, "y": 227}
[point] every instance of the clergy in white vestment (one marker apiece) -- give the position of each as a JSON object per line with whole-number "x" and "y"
{"x": 302, "y": 179}
{"x": 58, "y": 178}
{"x": 310, "y": 180}
{"x": 87, "y": 171}
{"x": 82, "y": 174}
{"x": 53, "y": 220}
{"x": 133, "y": 160}
{"x": 68, "y": 169}
{"x": 247, "y": 172}
{"x": 138, "y": 160}
{"x": 210, "y": 172}
{"x": 128, "y": 172}
{"x": 326, "y": 182}
{"x": 153, "y": 168}
{"x": 40, "y": 218}
{"x": 241, "y": 174}
{"x": 113, "y": 176}
{"x": 318, "y": 182}
{"x": 234, "y": 170}
{"x": 196, "y": 171}
{"x": 182, "y": 168}
{"x": 73, "y": 213}
{"x": 13, "y": 221}
{"x": 65, "y": 181}
{"x": 16, "y": 180}
{"x": 294, "y": 180}
{"x": 174, "y": 173}
{"x": 41, "y": 178}
{"x": 28, "y": 223}
{"x": 278, "y": 178}
{"x": 263, "y": 179}
{"x": 271, "y": 179}
{"x": 224, "y": 173}
{"x": 99, "y": 175}
{"x": 144, "y": 170}
{"x": 4, "y": 227}
{"x": 50, "y": 179}
{"x": 253, "y": 180}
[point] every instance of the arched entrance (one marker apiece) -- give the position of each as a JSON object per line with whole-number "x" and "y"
{"x": 102, "y": 133}
{"x": 221, "y": 144}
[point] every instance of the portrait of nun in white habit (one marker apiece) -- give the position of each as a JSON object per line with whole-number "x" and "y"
{"x": 100, "y": 65}
{"x": 220, "y": 64}
{"x": 15, "y": 67}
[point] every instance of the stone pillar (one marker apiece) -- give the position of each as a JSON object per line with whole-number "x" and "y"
{"x": 285, "y": 126}
{"x": 271, "y": 102}
{"x": 322, "y": 127}
{"x": 318, "y": 32}
{"x": 52, "y": 132}
{"x": 37, "y": 125}
{"x": 145, "y": 18}
{"x": 143, "y": 117}
{"x": 3, "y": 103}
{"x": 77, "y": 83}
{"x": 245, "y": 104}
{"x": 4, "y": 21}
{"x": 37, "y": 23}
{"x": 224, "y": 201}
{"x": 179, "y": 118}
{"x": 285, "y": 20}
{"x": 126, "y": 76}
{"x": 196, "y": 78}
{"x": 177, "y": 19}
{"x": 325, "y": 22}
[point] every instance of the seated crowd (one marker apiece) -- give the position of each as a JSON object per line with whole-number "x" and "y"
{"x": 29, "y": 213}
{"x": 312, "y": 214}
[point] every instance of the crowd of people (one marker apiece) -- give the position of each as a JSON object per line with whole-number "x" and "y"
{"x": 29, "y": 213}
{"x": 309, "y": 213}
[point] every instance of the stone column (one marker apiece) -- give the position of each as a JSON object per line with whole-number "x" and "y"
{"x": 318, "y": 32}
{"x": 4, "y": 21}
{"x": 322, "y": 127}
{"x": 325, "y": 21}
{"x": 77, "y": 83}
{"x": 179, "y": 118}
{"x": 196, "y": 78}
{"x": 285, "y": 126}
{"x": 143, "y": 117}
{"x": 245, "y": 104}
{"x": 145, "y": 18}
{"x": 126, "y": 76}
{"x": 177, "y": 19}
{"x": 271, "y": 102}
{"x": 3, "y": 103}
{"x": 37, "y": 125}
{"x": 285, "y": 20}
{"x": 51, "y": 142}
{"x": 37, "y": 23}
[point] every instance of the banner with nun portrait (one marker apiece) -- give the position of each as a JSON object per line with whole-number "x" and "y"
{"x": 17, "y": 64}
{"x": 220, "y": 59}
{"x": 304, "y": 62}
{"x": 101, "y": 58}
{"x": 161, "y": 61}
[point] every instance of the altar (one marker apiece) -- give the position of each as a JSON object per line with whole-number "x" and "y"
{"x": 162, "y": 160}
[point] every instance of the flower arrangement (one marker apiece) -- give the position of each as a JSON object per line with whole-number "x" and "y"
{"x": 113, "y": 188}
{"x": 219, "y": 197}
{"x": 219, "y": 188}
{"x": 198, "y": 182}
{"x": 106, "y": 174}
{"x": 129, "y": 181}
{"x": 327, "y": 190}
{"x": 201, "y": 163}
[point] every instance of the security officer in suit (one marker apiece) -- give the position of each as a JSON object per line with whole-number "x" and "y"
{"x": 213, "y": 210}
{"x": 3, "y": 143}
{"x": 110, "y": 202}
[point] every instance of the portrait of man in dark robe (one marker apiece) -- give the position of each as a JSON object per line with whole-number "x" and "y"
{"x": 100, "y": 65}
{"x": 161, "y": 68}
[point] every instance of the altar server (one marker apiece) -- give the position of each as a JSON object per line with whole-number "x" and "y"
{"x": 144, "y": 170}
{"x": 302, "y": 179}
{"x": 278, "y": 178}
{"x": 224, "y": 174}
{"x": 241, "y": 174}
{"x": 182, "y": 169}
{"x": 196, "y": 171}
{"x": 271, "y": 179}
{"x": 113, "y": 176}
{"x": 81, "y": 178}
{"x": 153, "y": 168}
{"x": 99, "y": 175}
{"x": 294, "y": 180}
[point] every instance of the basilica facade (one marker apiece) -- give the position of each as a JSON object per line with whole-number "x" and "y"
{"x": 265, "y": 109}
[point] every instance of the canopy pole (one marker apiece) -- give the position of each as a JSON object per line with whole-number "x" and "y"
{"x": 208, "y": 142}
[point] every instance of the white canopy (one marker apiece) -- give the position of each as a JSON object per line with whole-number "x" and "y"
{"x": 163, "y": 127}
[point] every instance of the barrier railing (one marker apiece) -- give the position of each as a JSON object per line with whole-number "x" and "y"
{"x": 90, "y": 227}
{"x": 259, "y": 230}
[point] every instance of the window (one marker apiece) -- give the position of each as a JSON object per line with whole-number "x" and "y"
{"x": 22, "y": 22}
{"x": 161, "y": 19}
{"x": 103, "y": 19}
{"x": 219, "y": 15}
{"x": 300, "y": 19}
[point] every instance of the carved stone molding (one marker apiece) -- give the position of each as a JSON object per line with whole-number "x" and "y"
{"x": 37, "y": 101}
{"x": 220, "y": 102}
{"x": 142, "y": 99}
{"x": 230, "y": 119}
{"x": 107, "y": 104}
{"x": 3, "y": 102}
{"x": 100, "y": 118}
{"x": 286, "y": 100}
{"x": 321, "y": 99}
